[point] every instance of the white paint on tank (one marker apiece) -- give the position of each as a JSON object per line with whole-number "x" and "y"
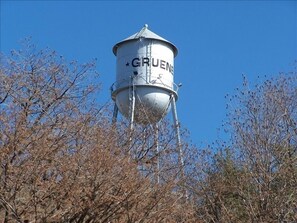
{"x": 150, "y": 61}
{"x": 145, "y": 61}
{"x": 151, "y": 104}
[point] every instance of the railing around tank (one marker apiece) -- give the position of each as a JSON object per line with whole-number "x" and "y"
{"x": 120, "y": 85}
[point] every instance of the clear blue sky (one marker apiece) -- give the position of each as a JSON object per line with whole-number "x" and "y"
{"x": 218, "y": 42}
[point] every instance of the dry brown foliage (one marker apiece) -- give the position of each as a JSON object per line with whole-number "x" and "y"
{"x": 61, "y": 159}
{"x": 254, "y": 179}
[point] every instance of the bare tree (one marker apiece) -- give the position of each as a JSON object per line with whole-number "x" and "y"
{"x": 61, "y": 159}
{"x": 265, "y": 134}
{"x": 253, "y": 179}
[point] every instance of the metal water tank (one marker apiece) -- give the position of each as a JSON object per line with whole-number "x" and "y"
{"x": 145, "y": 67}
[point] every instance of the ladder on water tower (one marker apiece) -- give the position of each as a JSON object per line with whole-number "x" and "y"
{"x": 149, "y": 68}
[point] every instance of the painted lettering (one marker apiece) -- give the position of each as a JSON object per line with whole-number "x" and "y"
{"x": 169, "y": 67}
{"x": 155, "y": 62}
{"x": 135, "y": 62}
{"x": 162, "y": 64}
{"x": 146, "y": 61}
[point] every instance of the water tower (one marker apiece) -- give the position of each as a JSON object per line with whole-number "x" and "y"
{"x": 144, "y": 91}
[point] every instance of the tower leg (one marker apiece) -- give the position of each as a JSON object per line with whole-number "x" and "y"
{"x": 178, "y": 141}
{"x": 156, "y": 142}
{"x": 177, "y": 131}
{"x": 115, "y": 114}
{"x": 132, "y": 113}
{"x": 132, "y": 108}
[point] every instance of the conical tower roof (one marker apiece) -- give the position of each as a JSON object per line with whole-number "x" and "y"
{"x": 144, "y": 33}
